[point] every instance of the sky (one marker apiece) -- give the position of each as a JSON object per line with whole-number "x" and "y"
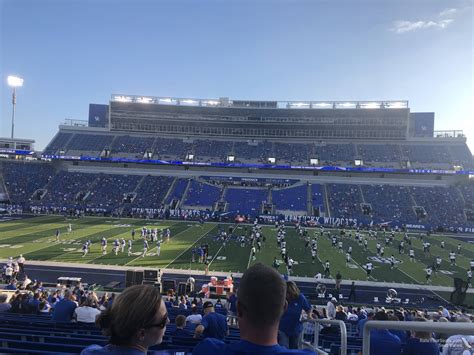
{"x": 75, "y": 52}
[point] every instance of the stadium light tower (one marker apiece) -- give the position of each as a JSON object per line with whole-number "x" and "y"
{"x": 14, "y": 81}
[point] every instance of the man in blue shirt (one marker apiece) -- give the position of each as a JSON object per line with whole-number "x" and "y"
{"x": 64, "y": 309}
{"x": 361, "y": 323}
{"x": 382, "y": 342}
{"x": 213, "y": 325}
{"x": 261, "y": 301}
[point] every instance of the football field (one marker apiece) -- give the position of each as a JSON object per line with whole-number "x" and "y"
{"x": 35, "y": 239}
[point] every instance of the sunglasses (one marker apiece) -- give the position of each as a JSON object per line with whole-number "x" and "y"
{"x": 160, "y": 325}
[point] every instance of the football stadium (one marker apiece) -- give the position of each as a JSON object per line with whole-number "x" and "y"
{"x": 323, "y": 192}
{"x": 173, "y": 225}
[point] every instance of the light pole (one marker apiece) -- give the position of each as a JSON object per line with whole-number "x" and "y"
{"x": 14, "y": 81}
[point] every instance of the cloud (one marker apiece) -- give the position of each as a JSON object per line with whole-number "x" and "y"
{"x": 448, "y": 13}
{"x": 442, "y": 21}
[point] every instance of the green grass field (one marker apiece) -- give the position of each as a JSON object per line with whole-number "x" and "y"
{"x": 35, "y": 239}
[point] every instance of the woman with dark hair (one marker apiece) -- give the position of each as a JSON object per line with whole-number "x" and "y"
{"x": 135, "y": 321}
{"x": 290, "y": 325}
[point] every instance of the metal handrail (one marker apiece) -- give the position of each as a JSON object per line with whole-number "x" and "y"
{"x": 445, "y": 328}
{"x": 314, "y": 346}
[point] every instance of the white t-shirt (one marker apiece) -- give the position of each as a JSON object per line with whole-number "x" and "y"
{"x": 86, "y": 314}
{"x": 194, "y": 318}
{"x": 454, "y": 344}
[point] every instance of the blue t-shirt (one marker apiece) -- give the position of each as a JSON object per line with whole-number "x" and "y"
{"x": 401, "y": 334}
{"x": 110, "y": 350}
{"x": 233, "y": 302}
{"x": 215, "y": 326}
{"x": 290, "y": 321}
{"x": 63, "y": 311}
{"x": 415, "y": 346}
{"x": 382, "y": 342}
{"x": 215, "y": 346}
{"x": 183, "y": 333}
{"x": 360, "y": 325}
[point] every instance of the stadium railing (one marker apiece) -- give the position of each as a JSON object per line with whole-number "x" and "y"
{"x": 445, "y": 328}
{"x": 315, "y": 345}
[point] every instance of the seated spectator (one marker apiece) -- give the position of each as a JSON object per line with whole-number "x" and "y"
{"x": 261, "y": 301}
{"x": 4, "y": 305}
{"x": 290, "y": 324}
{"x": 440, "y": 337}
{"x": 44, "y": 308}
{"x": 401, "y": 334}
{"x": 12, "y": 286}
{"x": 34, "y": 303}
{"x": 360, "y": 325}
{"x": 421, "y": 343}
{"x": 136, "y": 320}
{"x": 457, "y": 344}
{"x": 443, "y": 312}
{"x": 382, "y": 342}
{"x": 88, "y": 311}
{"x": 213, "y": 325}
{"x": 218, "y": 304}
{"x": 180, "y": 322}
{"x": 182, "y": 303}
{"x": 64, "y": 309}
{"x": 340, "y": 313}
{"x": 194, "y": 317}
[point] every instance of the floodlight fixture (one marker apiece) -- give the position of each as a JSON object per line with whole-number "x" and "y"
{"x": 347, "y": 104}
{"x": 189, "y": 102}
{"x": 322, "y": 104}
{"x": 358, "y": 162}
{"x": 189, "y": 156}
{"x": 145, "y": 100}
{"x": 14, "y": 82}
{"x": 370, "y": 105}
{"x": 123, "y": 98}
{"x": 271, "y": 160}
{"x": 396, "y": 105}
{"x": 314, "y": 161}
{"x": 230, "y": 158}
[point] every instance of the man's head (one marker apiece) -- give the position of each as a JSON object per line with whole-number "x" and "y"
{"x": 180, "y": 321}
{"x": 208, "y": 307}
{"x": 261, "y": 296}
{"x": 381, "y": 315}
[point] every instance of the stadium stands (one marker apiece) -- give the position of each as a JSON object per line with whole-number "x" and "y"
{"x": 345, "y": 200}
{"x": 431, "y": 154}
{"x": 68, "y": 189}
{"x": 291, "y": 199}
{"x": 39, "y": 185}
{"x": 201, "y": 195}
{"x": 297, "y": 153}
{"x": 389, "y": 202}
{"x": 330, "y": 153}
{"x": 178, "y": 191}
{"x": 245, "y": 201}
{"x": 22, "y": 180}
{"x": 132, "y": 145}
{"x": 379, "y": 153}
{"x": 90, "y": 142}
{"x": 58, "y": 143}
{"x": 109, "y": 191}
{"x": 444, "y": 206}
{"x": 151, "y": 191}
